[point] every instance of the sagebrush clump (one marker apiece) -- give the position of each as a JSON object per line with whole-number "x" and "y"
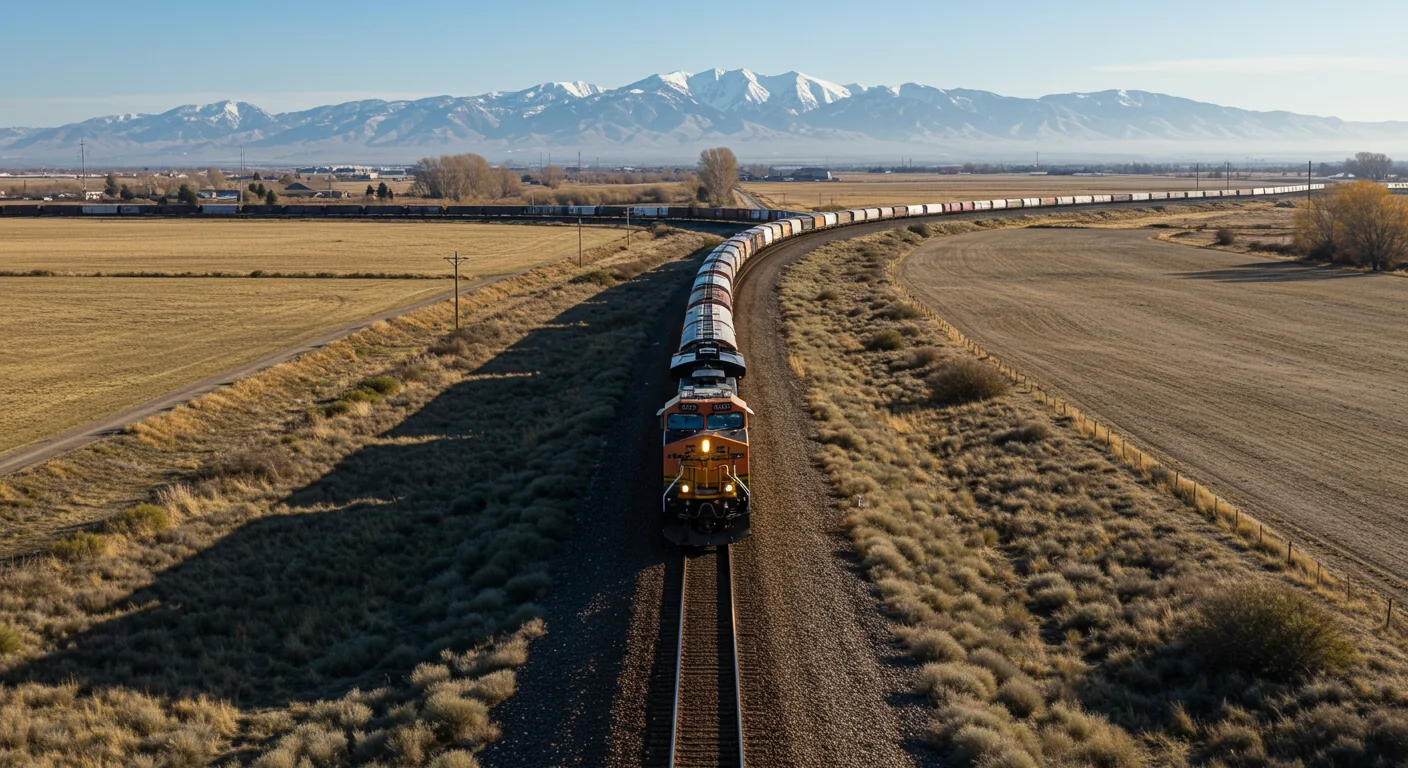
{"x": 1264, "y": 629}
{"x": 965, "y": 380}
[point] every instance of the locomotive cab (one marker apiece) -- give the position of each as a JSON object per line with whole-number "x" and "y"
{"x": 705, "y": 440}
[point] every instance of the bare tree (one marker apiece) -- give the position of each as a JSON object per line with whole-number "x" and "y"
{"x": 718, "y": 173}
{"x": 552, "y": 177}
{"x": 510, "y": 183}
{"x": 1315, "y": 226}
{"x": 1369, "y": 165}
{"x": 455, "y": 176}
{"x": 217, "y": 179}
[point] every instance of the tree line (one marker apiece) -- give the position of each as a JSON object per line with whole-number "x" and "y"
{"x": 463, "y": 176}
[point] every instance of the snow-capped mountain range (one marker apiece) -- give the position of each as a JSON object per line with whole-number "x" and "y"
{"x": 670, "y": 116}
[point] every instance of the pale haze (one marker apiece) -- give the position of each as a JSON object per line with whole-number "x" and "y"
{"x": 89, "y": 60}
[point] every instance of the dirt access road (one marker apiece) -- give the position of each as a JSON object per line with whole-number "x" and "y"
{"x": 1282, "y": 385}
{"x": 42, "y": 450}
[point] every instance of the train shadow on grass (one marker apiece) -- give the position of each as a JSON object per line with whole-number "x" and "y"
{"x": 1273, "y": 272}
{"x": 435, "y": 536}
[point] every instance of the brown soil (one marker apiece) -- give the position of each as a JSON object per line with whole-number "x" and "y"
{"x": 1278, "y": 383}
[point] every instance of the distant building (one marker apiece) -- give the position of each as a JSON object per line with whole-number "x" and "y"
{"x": 92, "y": 195}
{"x": 811, "y": 174}
{"x": 332, "y": 194}
{"x": 219, "y": 194}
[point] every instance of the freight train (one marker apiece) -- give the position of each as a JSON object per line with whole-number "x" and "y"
{"x": 633, "y": 212}
{"x": 706, "y": 500}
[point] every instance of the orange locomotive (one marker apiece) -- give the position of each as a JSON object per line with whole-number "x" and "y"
{"x": 705, "y": 426}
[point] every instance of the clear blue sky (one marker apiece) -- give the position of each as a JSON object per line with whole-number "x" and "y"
{"x": 67, "y": 61}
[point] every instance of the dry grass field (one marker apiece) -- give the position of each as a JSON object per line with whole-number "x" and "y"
{"x": 294, "y": 246}
{"x": 79, "y": 348}
{"x": 1277, "y": 382}
{"x": 863, "y": 189}
{"x": 337, "y": 561}
{"x": 1064, "y": 608}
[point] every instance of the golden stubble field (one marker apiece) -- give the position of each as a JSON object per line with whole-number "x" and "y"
{"x": 860, "y": 189}
{"x": 286, "y": 246}
{"x": 78, "y": 348}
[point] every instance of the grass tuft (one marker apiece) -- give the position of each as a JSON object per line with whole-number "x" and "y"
{"x": 10, "y": 642}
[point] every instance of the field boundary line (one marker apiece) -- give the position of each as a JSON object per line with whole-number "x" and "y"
{"x": 1274, "y": 549}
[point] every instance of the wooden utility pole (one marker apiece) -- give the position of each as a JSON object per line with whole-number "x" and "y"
{"x": 1309, "y": 177}
{"x": 1197, "y": 176}
{"x": 456, "y": 260}
{"x": 579, "y": 241}
{"x": 628, "y": 227}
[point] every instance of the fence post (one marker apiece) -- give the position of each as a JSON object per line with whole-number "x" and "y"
{"x": 1260, "y": 533}
{"x": 1288, "y": 551}
{"x": 1317, "y": 574}
{"x": 1389, "y": 617}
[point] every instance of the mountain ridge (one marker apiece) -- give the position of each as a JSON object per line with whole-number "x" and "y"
{"x": 672, "y": 114}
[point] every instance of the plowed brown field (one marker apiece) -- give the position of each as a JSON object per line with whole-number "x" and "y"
{"x": 1282, "y": 385}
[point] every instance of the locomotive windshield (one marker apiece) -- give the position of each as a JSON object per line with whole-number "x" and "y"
{"x": 685, "y": 421}
{"x": 725, "y": 421}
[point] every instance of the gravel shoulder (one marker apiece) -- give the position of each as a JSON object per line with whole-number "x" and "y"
{"x": 824, "y": 686}
{"x": 1280, "y": 384}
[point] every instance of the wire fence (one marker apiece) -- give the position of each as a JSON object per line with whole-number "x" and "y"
{"x": 1276, "y": 550}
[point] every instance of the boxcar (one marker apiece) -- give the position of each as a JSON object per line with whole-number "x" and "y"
{"x": 99, "y": 210}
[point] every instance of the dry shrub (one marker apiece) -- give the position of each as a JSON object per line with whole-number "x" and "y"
{"x": 887, "y": 339}
{"x": 1225, "y": 236}
{"x": 1028, "y": 432}
{"x": 1020, "y": 696}
{"x": 81, "y": 545}
{"x": 10, "y": 642}
{"x": 139, "y": 520}
{"x": 918, "y": 358}
{"x": 385, "y": 386}
{"x": 595, "y": 277}
{"x": 828, "y": 294}
{"x": 1267, "y": 629}
{"x": 262, "y": 462}
{"x": 955, "y": 678}
{"x": 965, "y": 381}
{"x": 457, "y": 758}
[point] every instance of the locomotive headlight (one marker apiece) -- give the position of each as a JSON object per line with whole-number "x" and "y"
{"x": 684, "y": 488}
{"x": 728, "y": 488}
{"x": 706, "y": 445}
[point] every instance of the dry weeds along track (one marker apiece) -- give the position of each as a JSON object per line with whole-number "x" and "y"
{"x": 336, "y": 587}
{"x": 1047, "y": 588}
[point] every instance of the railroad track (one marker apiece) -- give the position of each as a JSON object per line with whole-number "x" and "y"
{"x": 695, "y": 712}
